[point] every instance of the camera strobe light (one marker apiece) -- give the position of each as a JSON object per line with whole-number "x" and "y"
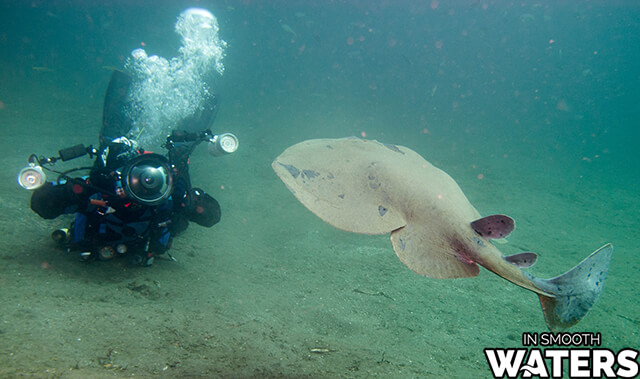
{"x": 32, "y": 177}
{"x": 223, "y": 144}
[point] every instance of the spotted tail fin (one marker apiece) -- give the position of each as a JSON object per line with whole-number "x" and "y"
{"x": 575, "y": 291}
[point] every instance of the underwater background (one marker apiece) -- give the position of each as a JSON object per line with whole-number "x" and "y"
{"x": 531, "y": 106}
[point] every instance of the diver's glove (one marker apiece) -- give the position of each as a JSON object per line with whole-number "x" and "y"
{"x": 201, "y": 208}
{"x": 52, "y": 200}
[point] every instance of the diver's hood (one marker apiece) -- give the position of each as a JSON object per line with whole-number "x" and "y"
{"x": 147, "y": 179}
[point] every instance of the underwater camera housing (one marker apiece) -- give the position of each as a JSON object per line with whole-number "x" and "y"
{"x": 147, "y": 179}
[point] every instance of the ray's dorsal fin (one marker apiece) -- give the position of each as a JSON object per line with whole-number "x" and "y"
{"x": 494, "y": 226}
{"x": 522, "y": 260}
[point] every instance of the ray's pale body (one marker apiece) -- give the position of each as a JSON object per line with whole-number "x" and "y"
{"x": 365, "y": 186}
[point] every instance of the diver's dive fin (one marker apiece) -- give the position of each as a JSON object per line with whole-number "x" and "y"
{"x": 202, "y": 118}
{"x": 575, "y": 291}
{"x": 115, "y": 123}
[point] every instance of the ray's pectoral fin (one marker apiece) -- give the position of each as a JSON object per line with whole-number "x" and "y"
{"x": 430, "y": 254}
{"x": 339, "y": 181}
{"x": 522, "y": 260}
{"x": 494, "y": 226}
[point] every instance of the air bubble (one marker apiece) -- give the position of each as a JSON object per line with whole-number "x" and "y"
{"x": 164, "y": 92}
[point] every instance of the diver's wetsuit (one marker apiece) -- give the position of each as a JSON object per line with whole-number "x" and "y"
{"x": 104, "y": 217}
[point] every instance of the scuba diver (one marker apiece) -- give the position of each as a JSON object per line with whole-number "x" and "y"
{"x": 132, "y": 202}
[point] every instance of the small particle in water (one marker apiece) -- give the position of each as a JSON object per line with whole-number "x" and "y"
{"x": 363, "y": 134}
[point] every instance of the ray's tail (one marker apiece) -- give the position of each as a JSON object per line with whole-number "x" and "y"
{"x": 575, "y": 291}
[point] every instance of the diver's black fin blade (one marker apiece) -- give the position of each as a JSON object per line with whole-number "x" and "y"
{"x": 203, "y": 117}
{"x": 115, "y": 123}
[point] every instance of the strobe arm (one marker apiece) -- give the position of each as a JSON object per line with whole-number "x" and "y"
{"x": 178, "y": 136}
{"x": 66, "y": 154}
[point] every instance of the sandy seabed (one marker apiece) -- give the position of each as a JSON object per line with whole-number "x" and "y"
{"x": 272, "y": 291}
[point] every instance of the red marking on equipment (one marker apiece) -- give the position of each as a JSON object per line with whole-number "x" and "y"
{"x": 77, "y": 189}
{"x": 99, "y": 203}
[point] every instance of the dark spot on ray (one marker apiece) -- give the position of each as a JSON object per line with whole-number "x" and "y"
{"x": 341, "y": 196}
{"x": 310, "y": 174}
{"x": 371, "y": 177}
{"x": 330, "y": 176}
{"x": 478, "y": 241}
{"x": 292, "y": 170}
{"x": 394, "y": 148}
{"x": 382, "y": 210}
{"x": 329, "y": 146}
